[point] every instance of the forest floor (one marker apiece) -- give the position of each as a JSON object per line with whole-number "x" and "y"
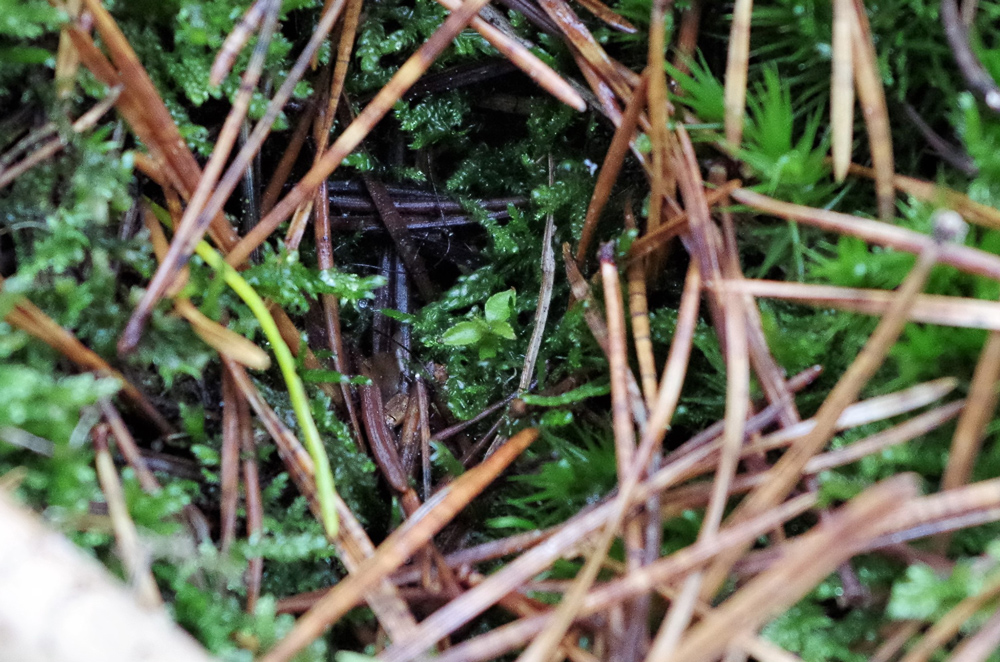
{"x": 534, "y": 330}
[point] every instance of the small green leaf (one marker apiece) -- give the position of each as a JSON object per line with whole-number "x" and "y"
{"x": 499, "y": 306}
{"x": 502, "y": 329}
{"x": 464, "y": 333}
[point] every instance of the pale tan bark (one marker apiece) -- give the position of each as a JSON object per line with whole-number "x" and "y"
{"x": 58, "y": 605}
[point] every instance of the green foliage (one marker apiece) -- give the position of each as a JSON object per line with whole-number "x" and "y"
{"x": 485, "y": 333}
{"x": 703, "y": 92}
{"x": 578, "y": 469}
{"x": 926, "y": 595}
{"x": 809, "y": 630}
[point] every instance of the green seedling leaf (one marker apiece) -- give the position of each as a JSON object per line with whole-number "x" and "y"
{"x": 502, "y": 329}
{"x": 499, "y": 306}
{"x": 464, "y": 333}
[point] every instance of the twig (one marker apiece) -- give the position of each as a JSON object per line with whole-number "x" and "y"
{"x": 976, "y": 77}
{"x": 544, "y": 297}
{"x": 610, "y": 168}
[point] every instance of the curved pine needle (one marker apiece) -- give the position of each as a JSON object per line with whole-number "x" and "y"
{"x": 325, "y": 491}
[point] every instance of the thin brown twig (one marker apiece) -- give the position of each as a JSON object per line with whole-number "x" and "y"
{"x": 548, "y": 268}
{"x": 613, "y": 160}
{"x": 976, "y": 77}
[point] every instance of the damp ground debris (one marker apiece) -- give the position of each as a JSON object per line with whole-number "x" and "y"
{"x": 540, "y": 329}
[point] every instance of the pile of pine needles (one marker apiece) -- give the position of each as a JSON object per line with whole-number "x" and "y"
{"x": 744, "y": 568}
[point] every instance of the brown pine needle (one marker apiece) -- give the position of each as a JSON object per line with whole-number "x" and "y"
{"x": 613, "y": 159}
{"x": 545, "y": 644}
{"x": 236, "y": 40}
{"x": 658, "y": 116}
{"x": 737, "y": 61}
{"x": 287, "y": 161}
{"x": 927, "y": 309}
{"x": 934, "y": 193}
{"x": 543, "y": 75}
{"x": 583, "y": 42}
{"x": 961, "y": 257}
{"x": 871, "y": 95}
{"x": 606, "y": 14}
{"x": 352, "y": 136}
{"x": 842, "y": 88}
{"x": 639, "y": 314}
{"x": 130, "y": 550}
{"x": 229, "y": 463}
{"x": 971, "y": 428}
